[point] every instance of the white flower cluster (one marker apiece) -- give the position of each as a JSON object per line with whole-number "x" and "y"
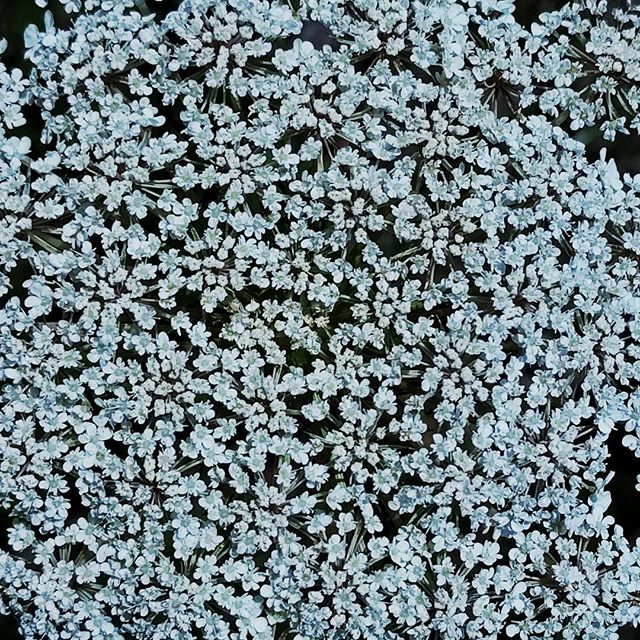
{"x": 316, "y": 320}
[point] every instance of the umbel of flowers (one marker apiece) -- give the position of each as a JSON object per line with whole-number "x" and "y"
{"x": 315, "y": 320}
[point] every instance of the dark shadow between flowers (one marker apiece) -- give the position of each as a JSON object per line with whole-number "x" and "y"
{"x": 8, "y": 623}
{"x": 15, "y": 16}
{"x": 9, "y": 628}
{"x": 162, "y": 9}
{"x": 318, "y": 35}
{"x": 5, "y": 523}
{"x": 623, "y": 150}
{"x": 624, "y": 496}
{"x": 527, "y": 12}
{"x": 628, "y": 632}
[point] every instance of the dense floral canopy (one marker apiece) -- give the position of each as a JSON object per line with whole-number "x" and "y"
{"x": 315, "y": 321}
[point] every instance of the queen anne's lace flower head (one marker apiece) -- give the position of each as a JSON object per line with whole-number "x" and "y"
{"x": 316, "y": 321}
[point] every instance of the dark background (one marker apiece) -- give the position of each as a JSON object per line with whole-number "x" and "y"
{"x": 15, "y": 15}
